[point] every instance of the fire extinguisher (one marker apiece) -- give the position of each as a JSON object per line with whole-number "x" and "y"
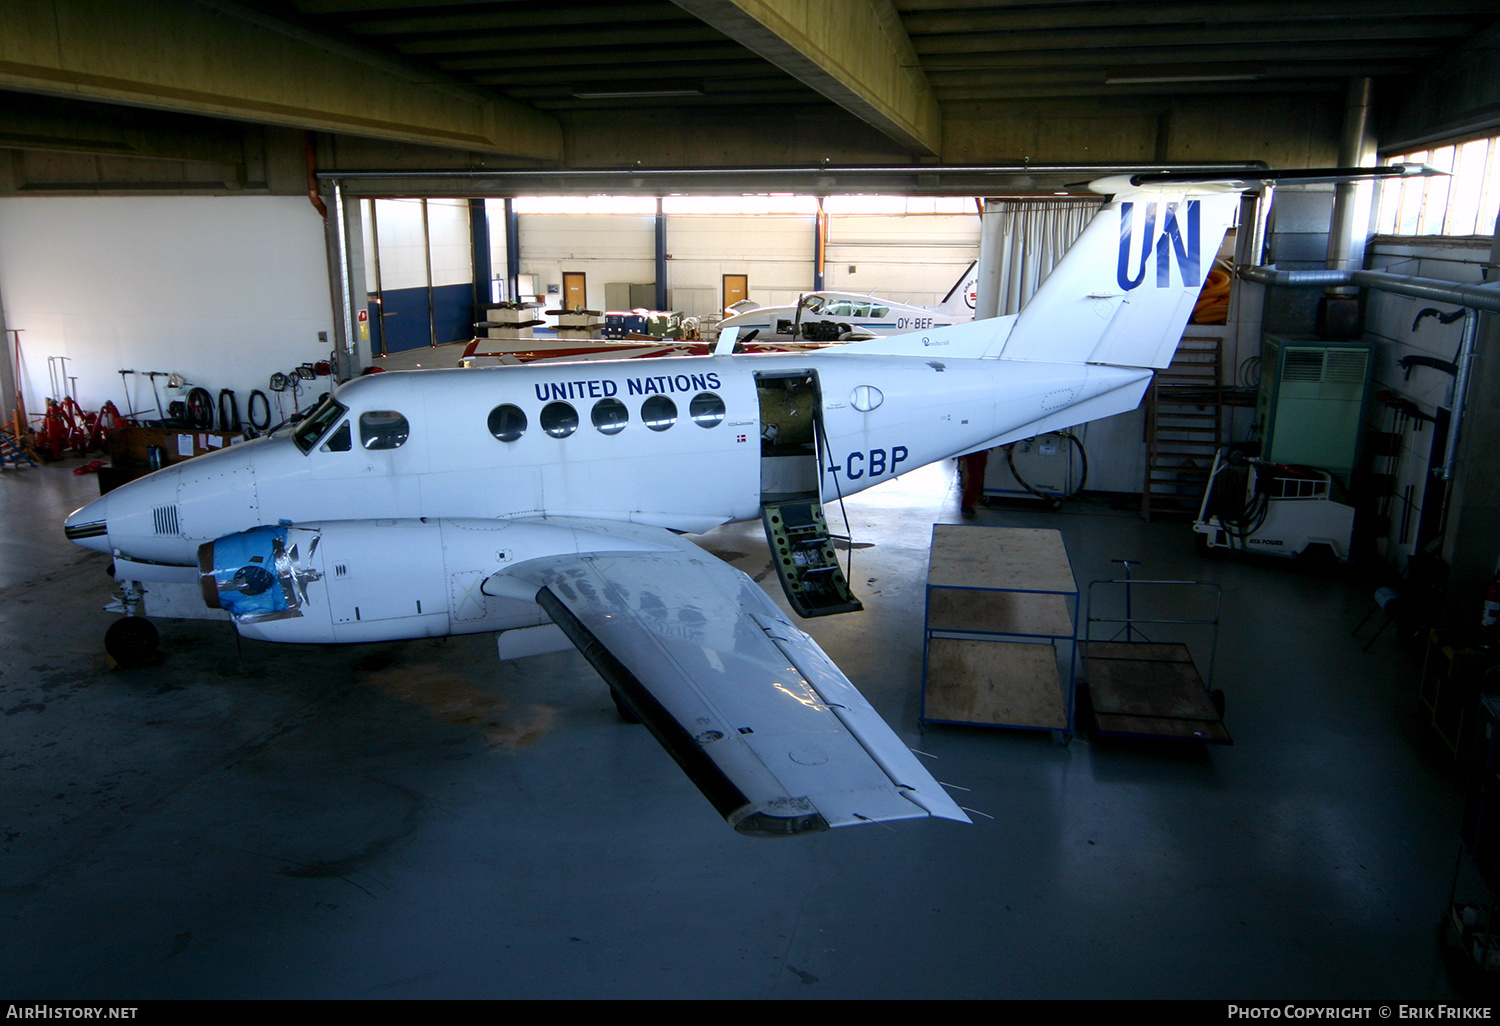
{"x": 1490, "y": 618}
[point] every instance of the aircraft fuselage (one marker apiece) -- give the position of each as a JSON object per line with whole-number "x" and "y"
{"x": 675, "y": 443}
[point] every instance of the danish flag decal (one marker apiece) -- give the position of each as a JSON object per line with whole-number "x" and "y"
{"x": 1170, "y": 241}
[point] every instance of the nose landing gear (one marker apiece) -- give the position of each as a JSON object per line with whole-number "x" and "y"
{"x": 131, "y": 641}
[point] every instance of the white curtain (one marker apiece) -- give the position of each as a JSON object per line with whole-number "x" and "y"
{"x": 1025, "y": 240}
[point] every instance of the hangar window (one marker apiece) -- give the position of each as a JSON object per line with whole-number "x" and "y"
{"x": 507, "y": 422}
{"x": 659, "y": 413}
{"x": 1461, "y": 202}
{"x": 706, "y": 409}
{"x": 317, "y": 423}
{"x": 382, "y": 429}
{"x": 559, "y": 420}
{"x": 610, "y": 416}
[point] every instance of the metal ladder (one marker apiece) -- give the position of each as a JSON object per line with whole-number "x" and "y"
{"x": 803, "y": 554}
{"x": 10, "y": 452}
{"x": 1184, "y": 413}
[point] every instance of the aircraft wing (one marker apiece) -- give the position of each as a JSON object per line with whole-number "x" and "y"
{"x": 765, "y": 724}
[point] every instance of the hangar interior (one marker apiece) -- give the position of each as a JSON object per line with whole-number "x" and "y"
{"x": 228, "y": 190}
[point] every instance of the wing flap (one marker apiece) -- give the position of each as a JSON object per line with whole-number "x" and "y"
{"x": 760, "y": 719}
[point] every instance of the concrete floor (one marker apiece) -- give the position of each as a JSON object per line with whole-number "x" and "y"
{"x": 417, "y": 820}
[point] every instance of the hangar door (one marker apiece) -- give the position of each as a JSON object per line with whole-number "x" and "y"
{"x": 419, "y": 262}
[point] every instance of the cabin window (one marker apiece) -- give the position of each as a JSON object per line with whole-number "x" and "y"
{"x": 559, "y": 420}
{"x": 610, "y": 416}
{"x": 880, "y": 311}
{"x": 339, "y": 440}
{"x": 706, "y": 409}
{"x": 659, "y": 413}
{"x": 839, "y": 308}
{"x": 507, "y": 422}
{"x": 316, "y": 423}
{"x": 382, "y": 429}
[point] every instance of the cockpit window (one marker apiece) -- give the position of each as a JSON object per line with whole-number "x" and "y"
{"x": 339, "y": 440}
{"x": 316, "y": 424}
{"x": 812, "y": 304}
{"x": 382, "y": 429}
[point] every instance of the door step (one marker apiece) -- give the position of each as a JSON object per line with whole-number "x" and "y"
{"x": 805, "y": 560}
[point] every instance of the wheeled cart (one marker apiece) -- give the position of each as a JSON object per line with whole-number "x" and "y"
{"x": 1136, "y": 683}
{"x": 1000, "y": 629}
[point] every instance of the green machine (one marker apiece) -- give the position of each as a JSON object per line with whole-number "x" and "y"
{"x": 1311, "y": 405}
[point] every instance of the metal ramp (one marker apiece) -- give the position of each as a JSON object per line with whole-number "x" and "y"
{"x": 803, "y": 554}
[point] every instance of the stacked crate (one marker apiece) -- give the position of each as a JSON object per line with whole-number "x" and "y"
{"x": 510, "y": 320}
{"x": 585, "y": 325}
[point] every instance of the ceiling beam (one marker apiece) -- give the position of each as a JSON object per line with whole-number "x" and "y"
{"x": 1052, "y": 17}
{"x": 855, "y": 53}
{"x": 1169, "y": 36}
{"x": 221, "y": 59}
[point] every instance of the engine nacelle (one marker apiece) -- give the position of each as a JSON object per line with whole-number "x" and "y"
{"x": 383, "y": 580}
{"x": 260, "y": 574}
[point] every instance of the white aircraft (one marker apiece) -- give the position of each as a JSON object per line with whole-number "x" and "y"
{"x": 827, "y": 316}
{"x": 547, "y": 503}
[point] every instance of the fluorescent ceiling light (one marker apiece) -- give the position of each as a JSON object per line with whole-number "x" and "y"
{"x": 617, "y": 94}
{"x": 1151, "y": 79}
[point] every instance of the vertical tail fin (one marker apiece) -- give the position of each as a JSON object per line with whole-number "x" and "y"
{"x": 1123, "y": 293}
{"x": 959, "y": 302}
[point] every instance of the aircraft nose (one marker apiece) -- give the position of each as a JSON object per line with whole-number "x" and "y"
{"x": 89, "y": 526}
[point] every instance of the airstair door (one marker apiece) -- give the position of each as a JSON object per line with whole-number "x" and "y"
{"x": 791, "y": 440}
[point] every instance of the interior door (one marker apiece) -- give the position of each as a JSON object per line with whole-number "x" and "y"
{"x": 575, "y": 294}
{"x": 736, "y": 288}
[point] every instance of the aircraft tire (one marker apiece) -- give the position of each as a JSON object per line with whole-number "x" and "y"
{"x": 131, "y": 641}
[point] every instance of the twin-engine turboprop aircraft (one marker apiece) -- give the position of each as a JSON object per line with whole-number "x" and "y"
{"x": 547, "y": 503}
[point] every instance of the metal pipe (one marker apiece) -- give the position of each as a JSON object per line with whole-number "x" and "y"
{"x": 1477, "y": 297}
{"x": 661, "y": 256}
{"x": 379, "y": 284}
{"x": 956, "y": 180}
{"x": 337, "y": 233}
{"x": 512, "y": 252}
{"x": 987, "y": 289}
{"x": 427, "y": 254}
{"x": 1351, "y": 205}
{"x": 1460, "y": 389}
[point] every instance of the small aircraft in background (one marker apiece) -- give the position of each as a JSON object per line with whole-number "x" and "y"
{"x": 547, "y": 503}
{"x": 830, "y": 316}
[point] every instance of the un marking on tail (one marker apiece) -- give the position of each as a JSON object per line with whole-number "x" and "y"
{"x": 1170, "y": 240}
